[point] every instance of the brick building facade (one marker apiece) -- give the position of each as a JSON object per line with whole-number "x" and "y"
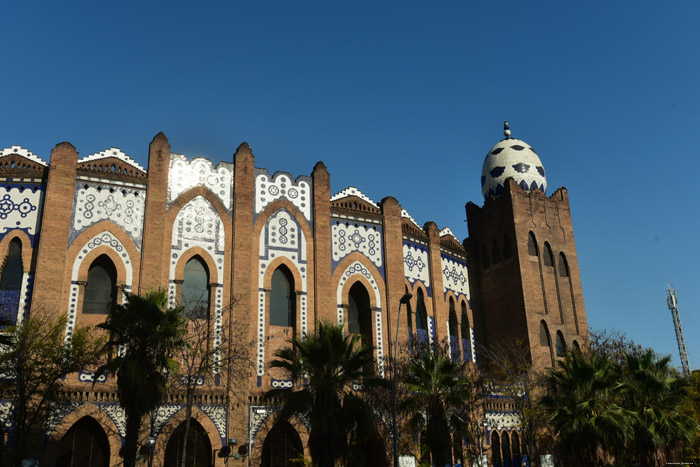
{"x": 264, "y": 242}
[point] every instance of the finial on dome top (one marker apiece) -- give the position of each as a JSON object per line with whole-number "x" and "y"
{"x": 506, "y": 130}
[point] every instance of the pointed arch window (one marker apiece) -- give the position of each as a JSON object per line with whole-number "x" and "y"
{"x": 466, "y": 335}
{"x": 282, "y": 298}
{"x": 515, "y": 446}
{"x": 563, "y": 266}
{"x": 454, "y": 331}
{"x": 548, "y": 256}
{"x": 11, "y": 282}
{"x": 101, "y": 289}
{"x": 194, "y": 295}
{"x": 505, "y": 448}
{"x": 495, "y": 448}
{"x": 360, "y": 313}
{"x": 421, "y": 312}
{"x": 546, "y": 340}
{"x": 561, "y": 345}
{"x": 532, "y": 249}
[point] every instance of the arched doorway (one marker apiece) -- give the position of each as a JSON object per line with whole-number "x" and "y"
{"x": 198, "y": 446}
{"x": 360, "y": 313}
{"x": 85, "y": 445}
{"x": 282, "y": 447}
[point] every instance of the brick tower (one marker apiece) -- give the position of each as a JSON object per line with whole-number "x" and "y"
{"x": 524, "y": 273}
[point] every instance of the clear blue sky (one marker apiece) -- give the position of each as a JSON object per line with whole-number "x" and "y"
{"x": 405, "y": 99}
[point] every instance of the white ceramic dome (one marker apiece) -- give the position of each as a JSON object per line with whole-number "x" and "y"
{"x": 513, "y": 158}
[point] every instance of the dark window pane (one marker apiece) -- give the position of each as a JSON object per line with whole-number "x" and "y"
{"x": 563, "y": 266}
{"x": 453, "y": 319}
{"x": 194, "y": 294}
{"x": 101, "y": 289}
{"x": 544, "y": 335}
{"x": 548, "y": 257}
{"x": 12, "y": 272}
{"x": 281, "y": 299}
{"x": 353, "y": 316}
{"x": 532, "y": 245}
{"x": 561, "y": 345}
{"x": 421, "y": 312}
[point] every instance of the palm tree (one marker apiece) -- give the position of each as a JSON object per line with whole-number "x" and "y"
{"x": 584, "y": 395}
{"x": 657, "y": 395}
{"x": 331, "y": 361}
{"x": 145, "y": 332}
{"x": 440, "y": 394}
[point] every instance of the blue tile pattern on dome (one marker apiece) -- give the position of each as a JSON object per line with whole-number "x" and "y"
{"x": 512, "y": 158}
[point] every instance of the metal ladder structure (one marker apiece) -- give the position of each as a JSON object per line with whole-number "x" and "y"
{"x": 672, "y": 302}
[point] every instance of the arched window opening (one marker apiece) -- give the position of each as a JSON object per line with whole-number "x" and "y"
{"x": 485, "y": 258}
{"x": 421, "y": 319}
{"x": 11, "y": 282}
{"x": 495, "y": 252}
{"x": 453, "y": 325}
{"x": 194, "y": 295}
{"x": 548, "y": 256}
{"x": 282, "y": 446}
{"x": 466, "y": 335}
{"x": 546, "y": 340}
{"x": 85, "y": 444}
{"x": 505, "y": 448}
{"x": 507, "y": 248}
{"x": 282, "y": 298}
{"x": 532, "y": 249}
{"x": 576, "y": 346}
{"x": 360, "y": 313}
{"x": 495, "y": 449}
{"x": 563, "y": 266}
{"x": 101, "y": 289}
{"x": 198, "y": 446}
{"x": 561, "y": 345}
{"x": 421, "y": 312}
{"x": 515, "y": 441}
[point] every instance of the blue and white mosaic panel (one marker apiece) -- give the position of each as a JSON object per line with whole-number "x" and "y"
{"x": 185, "y": 175}
{"x": 125, "y": 206}
{"x": 281, "y": 236}
{"x": 20, "y": 208}
{"x": 455, "y": 276}
{"x": 348, "y": 237}
{"x": 102, "y": 239}
{"x": 357, "y": 268}
{"x": 415, "y": 263}
{"x": 502, "y": 421}
{"x": 270, "y": 188}
{"x": 198, "y": 224}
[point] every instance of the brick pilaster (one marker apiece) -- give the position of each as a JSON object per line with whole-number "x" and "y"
{"x": 440, "y": 310}
{"x": 393, "y": 266}
{"x": 55, "y": 228}
{"x": 324, "y": 306}
{"x": 154, "y": 274}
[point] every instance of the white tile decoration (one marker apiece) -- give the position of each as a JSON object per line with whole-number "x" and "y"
{"x": 406, "y": 215}
{"x": 98, "y": 202}
{"x": 455, "y": 276}
{"x": 20, "y": 209}
{"x": 415, "y": 263}
{"x": 270, "y": 188}
{"x": 281, "y": 236}
{"x": 502, "y": 421}
{"x": 348, "y": 237}
{"x": 19, "y": 150}
{"x": 185, "y": 174}
{"x": 352, "y": 191}
{"x": 512, "y": 158}
{"x": 112, "y": 152}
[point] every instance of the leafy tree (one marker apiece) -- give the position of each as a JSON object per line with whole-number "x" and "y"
{"x": 330, "y": 361}
{"x": 32, "y": 365}
{"x": 584, "y": 401}
{"x": 657, "y": 394}
{"x": 509, "y": 371}
{"x": 691, "y": 407}
{"x": 440, "y": 402}
{"x": 204, "y": 358}
{"x": 146, "y": 333}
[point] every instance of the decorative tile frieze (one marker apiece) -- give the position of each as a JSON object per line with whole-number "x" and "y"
{"x": 280, "y": 185}
{"x": 185, "y": 174}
